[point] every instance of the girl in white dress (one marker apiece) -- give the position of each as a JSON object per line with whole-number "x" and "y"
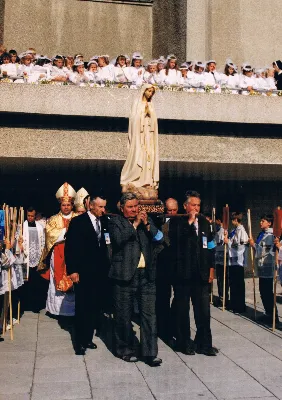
{"x": 170, "y": 75}
{"x": 230, "y": 78}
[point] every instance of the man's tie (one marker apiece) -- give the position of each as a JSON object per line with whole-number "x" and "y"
{"x": 98, "y": 228}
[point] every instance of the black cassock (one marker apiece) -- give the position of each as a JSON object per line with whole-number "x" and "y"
{"x": 86, "y": 255}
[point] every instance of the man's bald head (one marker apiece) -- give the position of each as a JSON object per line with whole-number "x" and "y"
{"x": 171, "y": 206}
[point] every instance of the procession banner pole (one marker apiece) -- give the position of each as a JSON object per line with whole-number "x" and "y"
{"x": 15, "y": 213}
{"x": 4, "y": 313}
{"x": 6, "y": 294}
{"x": 252, "y": 261}
{"x": 277, "y": 230}
{"x": 10, "y": 303}
{"x": 225, "y": 221}
{"x": 7, "y": 223}
{"x": 13, "y": 237}
{"x": 213, "y": 222}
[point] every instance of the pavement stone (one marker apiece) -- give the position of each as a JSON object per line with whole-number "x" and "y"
{"x": 20, "y": 386}
{"x": 115, "y": 379}
{"x": 56, "y": 374}
{"x": 24, "y": 396}
{"x": 41, "y": 359}
{"x": 194, "y": 394}
{"x": 127, "y": 393}
{"x": 59, "y": 361}
{"x": 61, "y": 391}
{"x": 232, "y": 389}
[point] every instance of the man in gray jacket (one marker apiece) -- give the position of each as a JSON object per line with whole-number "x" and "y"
{"x": 133, "y": 275}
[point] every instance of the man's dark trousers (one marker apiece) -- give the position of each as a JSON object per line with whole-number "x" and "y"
{"x": 87, "y": 312}
{"x": 124, "y": 293}
{"x": 198, "y": 291}
{"x": 267, "y": 296}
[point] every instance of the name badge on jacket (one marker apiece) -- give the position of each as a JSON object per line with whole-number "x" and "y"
{"x": 107, "y": 238}
{"x": 205, "y": 242}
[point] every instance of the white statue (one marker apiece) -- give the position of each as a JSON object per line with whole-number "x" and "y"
{"x": 141, "y": 169}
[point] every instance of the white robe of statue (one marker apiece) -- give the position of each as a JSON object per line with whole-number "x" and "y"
{"x": 142, "y": 164}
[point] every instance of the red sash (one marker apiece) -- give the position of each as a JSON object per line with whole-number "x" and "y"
{"x": 62, "y": 282}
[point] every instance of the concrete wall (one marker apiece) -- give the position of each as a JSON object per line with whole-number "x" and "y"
{"x": 214, "y": 158}
{"x": 198, "y": 27}
{"x": 246, "y": 30}
{"x": 71, "y": 26}
{"x": 105, "y": 102}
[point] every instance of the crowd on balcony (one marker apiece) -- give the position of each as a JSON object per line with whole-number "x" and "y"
{"x": 30, "y": 67}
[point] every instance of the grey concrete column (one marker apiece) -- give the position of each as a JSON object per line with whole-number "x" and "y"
{"x": 198, "y": 32}
{"x": 169, "y": 28}
{"x": 2, "y": 12}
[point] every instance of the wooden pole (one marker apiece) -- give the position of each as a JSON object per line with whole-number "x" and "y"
{"x": 4, "y": 313}
{"x": 213, "y": 225}
{"x": 253, "y": 262}
{"x": 225, "y": 226}
{"x": 8, "y": 237}
{"x": 10, "y": 303}
{"x": 19, "y": 311}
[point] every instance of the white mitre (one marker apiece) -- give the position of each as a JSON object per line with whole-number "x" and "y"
{"x": 80, "y": 196}
{"x": 66, "y": 193}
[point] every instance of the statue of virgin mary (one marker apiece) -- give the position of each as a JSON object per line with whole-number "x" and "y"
{"x": 141, "y": 168}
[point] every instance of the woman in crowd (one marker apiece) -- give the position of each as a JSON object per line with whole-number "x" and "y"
{"x": 170, "y": 75}
{"x": 160, "y": 64}
{"x": 270, "y": 81}
{"x": 211, "y": 77}
{"x": 92, "y": 71}
{"x": 14, "y": 57}
{"x": 185, "y": 81}
{"x": 247, "y": 80}
{"x": 260, "y": 81}
{"x": 135, "y": 73}
{"x": 58, "y": 72}
{"x": 120, "y": 69}
{"x": 230, "y": 78}
{"x": 150, "y": 75}
{"x": 68, "y": 64}
{"x": 104, "y": 70}
{"x": 7, "y": 68}
{"x": 41, "y": 70}
{"x": 197, "y": 80}
{"x": 26, "y": 68}
{"x": 78, "y": 77}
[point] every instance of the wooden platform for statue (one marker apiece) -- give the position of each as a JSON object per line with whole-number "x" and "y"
{"x": 151, "y": 206}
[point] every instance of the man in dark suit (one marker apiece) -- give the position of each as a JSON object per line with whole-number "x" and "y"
{"x": 133, "y": 275}
{"x": 87, "y": 265}
{"x": 192, "y": 258}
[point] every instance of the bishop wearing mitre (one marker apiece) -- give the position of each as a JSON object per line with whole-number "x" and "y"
{"x": 80, "y": 201}
{"x": 60, "y": 299}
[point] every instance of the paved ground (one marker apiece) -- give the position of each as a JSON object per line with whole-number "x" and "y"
{"x": 40, "y": 364}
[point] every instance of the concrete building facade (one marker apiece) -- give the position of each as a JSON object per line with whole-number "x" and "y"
{"x": 228, "y": 147}
{"x": 246, "y": 30}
